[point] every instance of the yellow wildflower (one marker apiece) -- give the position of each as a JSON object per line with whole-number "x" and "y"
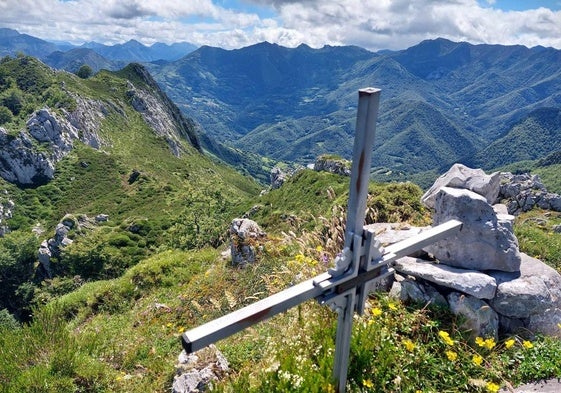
{"x": 477, "y": 360}
{"x": 409, "y": 345}
{"x": 490, "y": 343}
{"x": 392, "y": 306}
{"x": 319, "y": 248}
{"x": 527, "y": 344}
{"x": 479, "y": 341}
{"x": 446, "y": 338}
{"x": 509, "y": 343}
{"x": 367, "y": 383}
{"x": 492, "y": 387}
{"x": 376, "y": 312}
{"x": 451, "y": 355}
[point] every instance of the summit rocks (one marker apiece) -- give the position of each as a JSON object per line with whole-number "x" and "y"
{"x": 480, "y": 272}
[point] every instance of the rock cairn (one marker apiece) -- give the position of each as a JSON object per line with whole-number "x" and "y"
{"x": 480, "y": 274}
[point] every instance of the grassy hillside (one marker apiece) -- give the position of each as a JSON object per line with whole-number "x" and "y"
{"x": 123, "y": 334}
{"x": 154, "y": 200}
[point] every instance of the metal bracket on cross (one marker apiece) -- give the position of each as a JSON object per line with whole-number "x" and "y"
{"x": 361, "y": 264}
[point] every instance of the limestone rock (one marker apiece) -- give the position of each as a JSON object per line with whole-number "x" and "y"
{"x": 528, "y": 293}
{"x": 244, "y": 236}
{"x": 336, "y": 165}
{"x": 6, "y": 211}
{"x": 160, "y": 113}
{"x": 478, "y": 317}
{"x": 523, "y": 192}
{"x": 470, "y": 282}
{"x": 278, "y": 177}
{"x": 194, "y": 372}
{"x": 546, "y": 323}
{"x": 44, "y": 126}
{"x": 460, "y": 176}
{"x": 21, "y": 163}
{"x": 486, "y": 240}
{"x": 409, "y": 288}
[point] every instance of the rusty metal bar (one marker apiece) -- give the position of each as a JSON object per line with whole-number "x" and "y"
{"x": 236, "y": 321}
{"x": 368, "y": 104}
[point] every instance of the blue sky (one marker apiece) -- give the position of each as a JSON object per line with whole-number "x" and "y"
{"x": 520, "y": 5}
{"x": 372, "y": 24}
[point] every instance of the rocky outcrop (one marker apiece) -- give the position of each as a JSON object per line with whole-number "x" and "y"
{"x": 86, "y": 118}
{"x": 29, "y": 157}
{"x": 278, "y": 177}
{"x": 194, "y": 372}
{"x": 244, "y": 237}
{"x": 159, "y": 112}
{"x": 6, "y": 210}
{"x": 20, "y": 161}
{"x": 480, "y": 273}
{"x": 51, "y": 248}
{"x": 524, "y": 192}
{"x": 331, "y": 164}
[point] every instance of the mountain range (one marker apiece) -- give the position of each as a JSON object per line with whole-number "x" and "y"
{"x": 63, "y": 55}
{"x": 442, "y": 101}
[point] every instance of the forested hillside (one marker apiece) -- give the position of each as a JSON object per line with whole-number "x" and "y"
{"x": 442, "y": 101}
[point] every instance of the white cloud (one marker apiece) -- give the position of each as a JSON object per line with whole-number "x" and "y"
{"x": 374, "y": 24}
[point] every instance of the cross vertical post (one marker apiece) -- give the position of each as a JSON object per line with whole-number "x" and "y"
{"x": 353, "y": 257}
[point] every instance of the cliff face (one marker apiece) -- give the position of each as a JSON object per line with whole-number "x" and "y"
{"x": 30, "y": 157}
{"x": 159, "y": 112}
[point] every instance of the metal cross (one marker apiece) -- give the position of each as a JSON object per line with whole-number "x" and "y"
{"x": 361, "y": 264}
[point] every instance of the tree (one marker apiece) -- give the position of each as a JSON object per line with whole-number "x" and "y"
{"x": 13, "y": 100}
{"x": 84, "y": 71}
{"x": 5, "y": 115}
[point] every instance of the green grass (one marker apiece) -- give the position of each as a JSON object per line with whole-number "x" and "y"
{"x": 535, "y": 234}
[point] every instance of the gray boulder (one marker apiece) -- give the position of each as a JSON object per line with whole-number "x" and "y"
{"x": 470, "y": 282}
{"x": 532, "y": 293}
{"x": 418, "y": 291}
{"x": 244, "y": 238}
{"x": 486, "y": 240}
{"x": 194, "y": 372}
{"x": 461, "y": 176}
{"x": 478, "y": 318}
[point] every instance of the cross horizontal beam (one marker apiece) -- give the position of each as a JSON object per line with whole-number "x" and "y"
{"x": 318, "y": 287}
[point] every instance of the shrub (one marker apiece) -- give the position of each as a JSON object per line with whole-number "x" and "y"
{"x": 5, "y": 115}
{"x": 85, "y": 71}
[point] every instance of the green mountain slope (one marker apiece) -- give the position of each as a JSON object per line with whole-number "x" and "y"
{"x": 120, "y": 149}
{"x": 286, "y": 103}
{"x": 536, "y": 136}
